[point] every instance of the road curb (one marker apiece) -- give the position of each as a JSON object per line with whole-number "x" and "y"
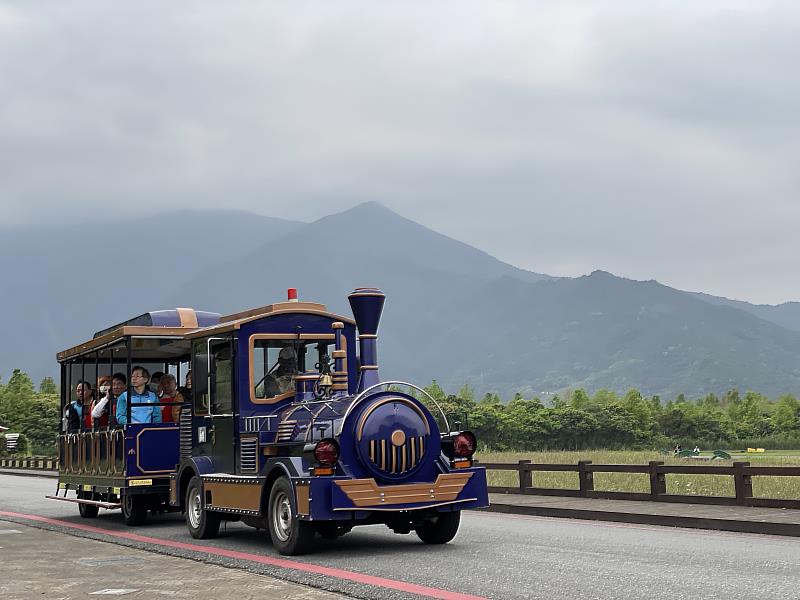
{"x": 29, "y": 473}
{"x": 767, "y": 528}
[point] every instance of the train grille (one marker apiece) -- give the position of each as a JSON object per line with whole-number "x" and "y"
{"x": 186, "y": 431}
{"x": 248, "y": 455}
{"x": 397, "y": 459}
{"x": 285, "y": 431}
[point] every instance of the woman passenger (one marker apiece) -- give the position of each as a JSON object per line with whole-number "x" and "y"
{"x": 98, "y": 413}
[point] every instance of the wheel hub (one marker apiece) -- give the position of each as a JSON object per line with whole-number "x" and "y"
{"x": 195, "y": 508}
{"x": 282, "y": 516}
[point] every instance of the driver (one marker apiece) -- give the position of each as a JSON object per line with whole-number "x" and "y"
{"x": 281, "y": 379}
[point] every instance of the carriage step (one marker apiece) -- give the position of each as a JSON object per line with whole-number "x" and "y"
{"x": 108, "y": 505}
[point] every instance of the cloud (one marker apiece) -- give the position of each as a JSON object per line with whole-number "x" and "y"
{"x": 650, "y": 139}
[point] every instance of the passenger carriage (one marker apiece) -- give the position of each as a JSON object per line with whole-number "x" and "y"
{"x": 289, "y": 430}
{"x": 124, "y": 467}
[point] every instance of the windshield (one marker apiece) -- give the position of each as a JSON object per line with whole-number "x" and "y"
{"x": 275, "y": 362}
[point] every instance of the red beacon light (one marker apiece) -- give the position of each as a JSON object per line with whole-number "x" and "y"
{"x": 291, "y": 294}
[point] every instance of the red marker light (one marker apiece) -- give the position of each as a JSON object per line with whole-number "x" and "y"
{"x": 464, "y": 444}
{"x": 292, "y": 294}
{"x": 327, "y": 452}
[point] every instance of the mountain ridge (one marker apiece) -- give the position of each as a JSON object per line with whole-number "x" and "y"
{"x": 454, "y": 313}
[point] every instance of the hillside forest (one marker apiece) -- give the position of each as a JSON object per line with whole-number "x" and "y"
{"x": 575, "y": 421}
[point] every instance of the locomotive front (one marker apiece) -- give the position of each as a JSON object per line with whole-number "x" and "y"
{"x": 384, "y": 455}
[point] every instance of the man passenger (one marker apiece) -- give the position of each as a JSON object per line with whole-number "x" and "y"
{"x": 281, "y": 380}
{"x": 139, "y": 414}
{"x": 155, "y": 383}
{"x": 106, "y": 410}
{"x": 75, "y": 410}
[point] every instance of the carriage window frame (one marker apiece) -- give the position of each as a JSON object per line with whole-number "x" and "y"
{"x": 288, "y": 337}
{"x": 200, "y": 378}
{"x": 230, "y": 409}
{"x": 203, "y": 396}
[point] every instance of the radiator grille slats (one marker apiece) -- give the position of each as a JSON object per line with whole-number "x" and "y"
{"x": 248, "y": 455}
{"x": 186, "y": 432}
{"x": 397, "y": 459}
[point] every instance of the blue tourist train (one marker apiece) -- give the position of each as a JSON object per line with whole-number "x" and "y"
{"x": 287, "y": 427}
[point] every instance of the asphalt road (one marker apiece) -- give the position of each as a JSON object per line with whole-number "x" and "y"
{"x": 494, "y": 556}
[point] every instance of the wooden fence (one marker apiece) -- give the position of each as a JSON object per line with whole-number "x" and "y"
{"x": 657, "y": 471}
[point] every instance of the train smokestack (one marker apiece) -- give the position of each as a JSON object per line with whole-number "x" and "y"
{"x": 367, "y": 306}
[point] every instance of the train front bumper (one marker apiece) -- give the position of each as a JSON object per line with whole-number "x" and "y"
{"x": 343, "y": 498}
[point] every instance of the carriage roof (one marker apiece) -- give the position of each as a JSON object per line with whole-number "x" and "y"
{"x": 186, "y": 323}
{"x": 236, "y": 320}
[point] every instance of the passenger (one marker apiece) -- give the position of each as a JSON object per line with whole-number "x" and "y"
{"x": 74, "y": 412}
{"x": 141, "y": 395}
{"x": 155, "y": 383}
{"x": 99, "y": 409}
{"x": 186, "y": 390}
{"x": 170, "y": 414}
{"x": 118, "y": 385}
{"x": 280, "y": 381}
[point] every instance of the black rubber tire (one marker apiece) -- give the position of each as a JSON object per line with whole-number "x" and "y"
{"x": 290, "y": 536}
{"x": 442, "y": 530}
{"x": 202, "y": 524}
{"x": 134, "y": 509}
{"x": 88, "y": 511}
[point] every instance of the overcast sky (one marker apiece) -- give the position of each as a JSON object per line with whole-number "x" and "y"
{"x": 656, "y": 140}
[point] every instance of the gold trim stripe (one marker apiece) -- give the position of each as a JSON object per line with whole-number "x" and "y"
{"x": 188, "y": 317}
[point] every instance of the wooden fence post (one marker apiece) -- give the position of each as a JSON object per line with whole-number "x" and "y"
{"x": 658, "y": 481}
{"x": 525, "y": 477}
{"x": 585, "y": 478}
{"x": 742, "y": 483}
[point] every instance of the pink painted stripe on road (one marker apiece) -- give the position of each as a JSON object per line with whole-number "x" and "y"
{"x": 284, "y": 563}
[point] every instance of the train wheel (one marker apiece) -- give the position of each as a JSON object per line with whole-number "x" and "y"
{"x": 442, "y": 530}
{"x": 88, "y": 511}
{"x": 202, "y": 524}
{"x": 134, "y": 509}
{"x": 289, "y": 534}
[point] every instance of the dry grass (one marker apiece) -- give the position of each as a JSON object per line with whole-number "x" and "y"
{"x": 691, "y": 485}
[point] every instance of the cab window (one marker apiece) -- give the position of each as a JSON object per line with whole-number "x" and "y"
{"x": 275, "y": 362}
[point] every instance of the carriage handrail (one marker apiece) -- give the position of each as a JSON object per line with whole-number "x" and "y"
{"x": 364, "y": 394}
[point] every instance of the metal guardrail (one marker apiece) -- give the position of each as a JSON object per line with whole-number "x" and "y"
{"x": 657, "y": 471}
{"x": 35, "y": 463}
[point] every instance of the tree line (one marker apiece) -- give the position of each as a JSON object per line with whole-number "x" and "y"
{"x": 32, "y": 412}
{"x": 575, "y": 420}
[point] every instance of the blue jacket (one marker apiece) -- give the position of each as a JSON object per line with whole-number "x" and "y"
{"x": 139, "y": 414}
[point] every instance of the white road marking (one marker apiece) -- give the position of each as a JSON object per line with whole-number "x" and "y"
{"x": 112, "y": 592}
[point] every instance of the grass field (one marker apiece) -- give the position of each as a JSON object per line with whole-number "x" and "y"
{"x": 691, "y": 485}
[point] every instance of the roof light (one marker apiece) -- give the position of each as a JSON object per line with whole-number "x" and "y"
{"x": 292, "y": 294}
